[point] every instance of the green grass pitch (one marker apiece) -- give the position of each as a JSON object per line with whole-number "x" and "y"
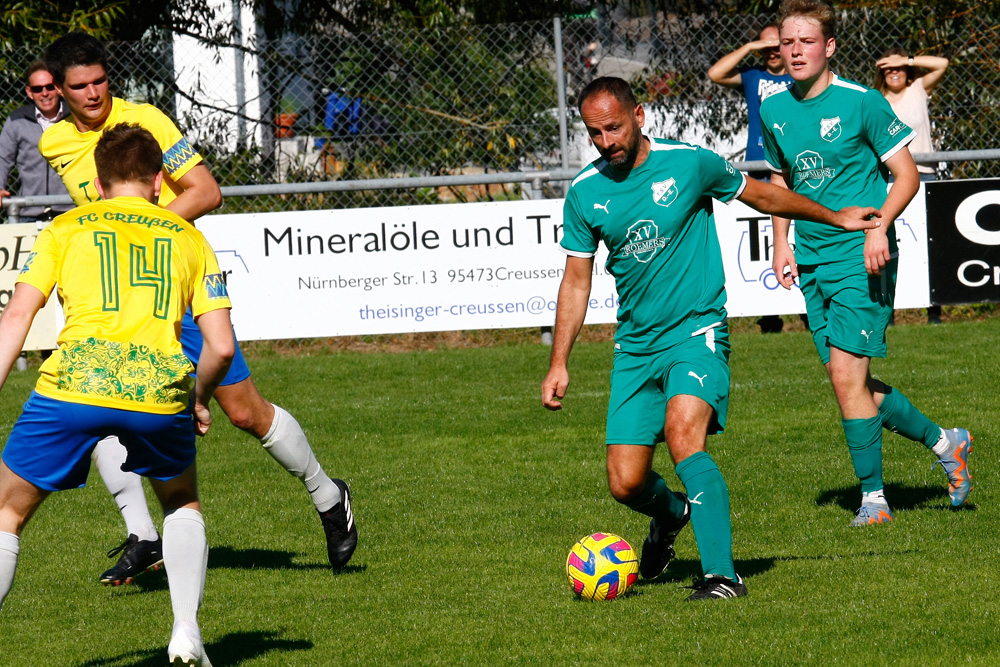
{"x": 468, "y": 496}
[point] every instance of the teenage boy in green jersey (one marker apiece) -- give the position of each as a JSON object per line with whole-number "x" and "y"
{"x": 837, "y": 142}
{"x": 650, "y": 202}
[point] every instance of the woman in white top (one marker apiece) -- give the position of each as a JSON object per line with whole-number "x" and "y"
{"x": 907, "y": 90}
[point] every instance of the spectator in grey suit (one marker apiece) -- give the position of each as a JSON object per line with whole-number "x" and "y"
{"x": 19, "y": 148}
{"x": 19, "y": 145}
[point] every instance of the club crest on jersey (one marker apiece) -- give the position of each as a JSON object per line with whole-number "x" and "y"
{"x": 809, "y": 168}
{"x": 643, "y": 241}
{"x": 665, "y": 192}
{"x": 829, "y": 128}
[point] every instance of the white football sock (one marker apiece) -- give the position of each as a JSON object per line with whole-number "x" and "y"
{"x": 286, "y": 443}
{"x": 9, "y": 548}
{"x": 874, "y": 497}
{"x": 941, "y": 446}
{"x": 125, "y": 487}
{"x": 185, "y": 557}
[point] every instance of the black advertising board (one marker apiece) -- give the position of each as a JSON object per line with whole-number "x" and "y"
{"x": 963, "y": 241}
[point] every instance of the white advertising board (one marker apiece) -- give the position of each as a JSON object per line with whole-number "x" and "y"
{"x": 390, "y": 270}
{"x": 314, "y": 274}
{"x": 15, "y": 245}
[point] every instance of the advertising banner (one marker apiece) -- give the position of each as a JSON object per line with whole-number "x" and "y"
{"x": 747, "y": 240}
{"x": 963, "y": 221}
{"x": 396, "y": 269}
{"x": 316, "y": 274}
{"x": 466, "y": 266}
{"x": 15, "y": 245}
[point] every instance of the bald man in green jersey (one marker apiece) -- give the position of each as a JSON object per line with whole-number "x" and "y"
{"x": 650, "y": 202}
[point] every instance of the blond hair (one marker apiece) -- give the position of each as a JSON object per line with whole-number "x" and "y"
{"x": 819, "y": 11}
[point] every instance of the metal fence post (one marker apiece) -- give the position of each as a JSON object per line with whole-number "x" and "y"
{"x": 241, "y": 102}
{"x": 536, "y": 188}
{"x": 561, "y": 91}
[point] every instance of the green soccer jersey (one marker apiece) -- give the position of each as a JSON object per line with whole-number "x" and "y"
{"x": 833, "y": 147}
{"x": 663, "y": 250}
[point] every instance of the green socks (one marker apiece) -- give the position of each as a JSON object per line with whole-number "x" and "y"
{"x": 899, "y": 416}
{"x": 659, "y": 502}
{"x": 864, "y": 440}
{"x": 709, "y": 498}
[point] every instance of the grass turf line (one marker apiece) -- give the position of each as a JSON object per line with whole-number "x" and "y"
{"x": 469, "y": 495}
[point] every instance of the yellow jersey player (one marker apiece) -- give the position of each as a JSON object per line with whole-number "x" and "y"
{"x": 78, "y": 63}
{"x": 126, "y": 271}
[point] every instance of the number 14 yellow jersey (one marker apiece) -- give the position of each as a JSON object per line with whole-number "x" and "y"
{"x": 126, "y": 271}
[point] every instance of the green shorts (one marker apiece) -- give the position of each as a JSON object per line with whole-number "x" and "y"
{"x": 847, "y": 308}
{"x": 641, "y": 385}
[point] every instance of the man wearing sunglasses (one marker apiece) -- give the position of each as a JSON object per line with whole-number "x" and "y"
{"x": 19, "y": 145}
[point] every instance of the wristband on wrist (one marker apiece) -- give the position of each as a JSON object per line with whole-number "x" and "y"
{"x": 910, "y": 61}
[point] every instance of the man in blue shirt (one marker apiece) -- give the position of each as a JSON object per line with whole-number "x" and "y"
{"x": 757, "y": 83}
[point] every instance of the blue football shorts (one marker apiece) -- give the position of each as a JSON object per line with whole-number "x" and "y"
{"x": 641, "y": 385}
{"x": 51, "y": 442}
{"x": 192, "y": 342}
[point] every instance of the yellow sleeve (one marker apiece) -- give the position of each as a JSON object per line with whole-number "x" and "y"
{"x": 210, "y": 292}
{"x": 178, "y": 156}
{"x": 41, "y": 267}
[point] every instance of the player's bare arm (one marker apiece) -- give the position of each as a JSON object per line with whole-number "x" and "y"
{"x": 574, "y": 293}
{"x": 201, "y": 194}
{"x": 781, "y": 201}
{"x": 15, "y": 321}
{"x": 213, "y": 364}
{"x": 726, "y": 71}
{"x": 905, "y": 185}
{"x": 783, "y": 257}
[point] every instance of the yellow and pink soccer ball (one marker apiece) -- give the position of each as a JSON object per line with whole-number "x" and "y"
{"x": 601, "y": 566}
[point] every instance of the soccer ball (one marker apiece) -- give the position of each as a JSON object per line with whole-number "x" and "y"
{"x": 601, "y": 566}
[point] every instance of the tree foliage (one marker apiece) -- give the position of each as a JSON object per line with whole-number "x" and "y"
{"x": 38, "y": 22}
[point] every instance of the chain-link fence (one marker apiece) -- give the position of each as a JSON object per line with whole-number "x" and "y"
{"x": 484, "y": 98}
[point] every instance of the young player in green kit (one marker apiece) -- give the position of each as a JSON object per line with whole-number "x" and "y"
{"x": 650, "y": 202}
{"x": 837, "y": 142}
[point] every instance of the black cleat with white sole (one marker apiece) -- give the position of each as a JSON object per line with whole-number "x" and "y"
{"x": 715, "y": 587}
{"x": 658, "y": 549}
{"x": 137, "y": 556}
{"x": 341, "y": 530}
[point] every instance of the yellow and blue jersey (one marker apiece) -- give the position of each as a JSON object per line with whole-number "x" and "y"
{"x": 126, "y": 271}
{"x": 71, "y": 152}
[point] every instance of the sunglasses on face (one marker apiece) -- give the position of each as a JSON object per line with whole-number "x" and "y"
{"x": 49, "y": 87}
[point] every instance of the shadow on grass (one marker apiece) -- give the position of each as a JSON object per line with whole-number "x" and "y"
{"x": 228, "y": 558}
{"x": 688, "y": 569}
{"x": 231, "y": 649}
{"x": 900, "y": 497}
{"x": 148, "y": 582}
